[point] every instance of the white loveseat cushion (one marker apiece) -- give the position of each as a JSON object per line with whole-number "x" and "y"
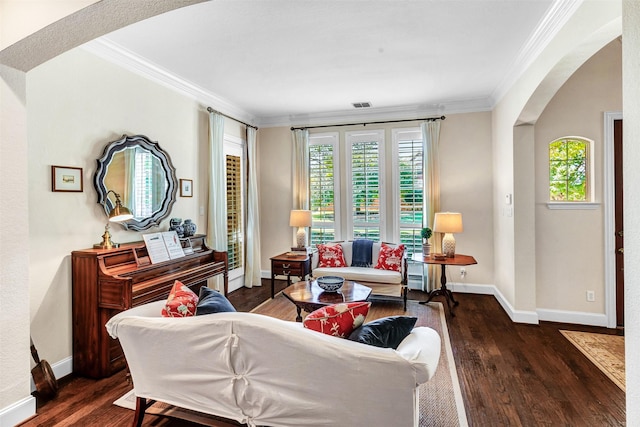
{"x": 362, "y": 274}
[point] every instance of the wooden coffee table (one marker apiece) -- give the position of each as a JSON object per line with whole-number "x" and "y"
{"x": 308, "y": 296}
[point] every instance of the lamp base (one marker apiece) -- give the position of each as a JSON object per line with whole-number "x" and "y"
{"x": 106, "y": 241}
{"x": 449, "y": 245}
{"x": 301, "y": 237}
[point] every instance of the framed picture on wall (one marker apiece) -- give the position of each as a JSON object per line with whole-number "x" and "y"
{"x": 186, "y": 188}
{"x": 66, "y": 178}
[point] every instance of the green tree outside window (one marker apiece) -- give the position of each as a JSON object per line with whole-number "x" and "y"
{"x": 568, "y": 160}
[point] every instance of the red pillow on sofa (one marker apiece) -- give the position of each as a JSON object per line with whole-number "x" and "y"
{"x": 339, "y": 319}
{"x": 390, "y": 258}
{"x": 330, "y": 256}
{"x": 182, "y": 301}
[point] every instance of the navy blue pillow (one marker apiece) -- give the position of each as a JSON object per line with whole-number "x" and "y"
{"x": 212, "y": 301}
{"x": 386, "y": 332}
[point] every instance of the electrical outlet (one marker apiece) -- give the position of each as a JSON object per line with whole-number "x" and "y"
{"x": 463, "y": 272}
{"x": 591, "y": 296}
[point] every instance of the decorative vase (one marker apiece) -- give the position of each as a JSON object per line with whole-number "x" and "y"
{"x": 174, "y": 225}
{"x": 189, "y": 228}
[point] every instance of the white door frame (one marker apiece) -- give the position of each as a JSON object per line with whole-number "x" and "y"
{"x": 609, "y": 218}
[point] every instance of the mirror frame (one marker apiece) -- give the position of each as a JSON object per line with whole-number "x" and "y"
{"x": 123, "y": 143}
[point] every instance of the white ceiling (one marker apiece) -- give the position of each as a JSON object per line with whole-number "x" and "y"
{"x": 280, "y": 62}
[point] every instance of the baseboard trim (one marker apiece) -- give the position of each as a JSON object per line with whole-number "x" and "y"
{"x": 18, "y": 412}
{"x": 532, "y": 317}
{"x": 575, "y": 317}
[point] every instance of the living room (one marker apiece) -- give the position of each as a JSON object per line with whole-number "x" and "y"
{"x": 77, "y": 102}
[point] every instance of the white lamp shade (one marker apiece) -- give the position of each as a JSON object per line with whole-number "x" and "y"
{"x": 447, "y": 222}
{"x": 300, "y": 218}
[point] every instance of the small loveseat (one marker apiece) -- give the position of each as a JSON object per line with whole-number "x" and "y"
{"x": 383, "y": 283}
{"x": 264, "y": 371}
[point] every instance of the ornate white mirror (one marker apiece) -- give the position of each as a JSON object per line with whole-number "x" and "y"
{"x": 141, "y": 173}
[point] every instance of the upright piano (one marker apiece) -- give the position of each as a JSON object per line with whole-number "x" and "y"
{"x": 108, "y": 281}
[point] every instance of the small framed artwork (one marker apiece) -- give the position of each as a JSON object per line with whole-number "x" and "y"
{"x": 66, "y": 178}
{"x": 186, "y": 188}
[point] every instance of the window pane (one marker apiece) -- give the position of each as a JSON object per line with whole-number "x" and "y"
{"x": 322, "y": 235}
{"x": 366, "y": 185}
{"x": 234, "y": 212}
{"x": 412, "y": 240}
{"x": 372, "y": 233}
{"x": 321, "y": 182}
{"x": 568, "y": 170}
{"x": 411, "y": 181}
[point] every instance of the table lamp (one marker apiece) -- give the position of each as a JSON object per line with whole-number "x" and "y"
{"x": 300, "y": 219}
{"x": 448, "y": 223}
{"x": 119, "y": 213}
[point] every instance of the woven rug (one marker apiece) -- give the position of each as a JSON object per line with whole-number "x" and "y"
{"x": 441, "y": 402}
{"x": 605, "y": 351}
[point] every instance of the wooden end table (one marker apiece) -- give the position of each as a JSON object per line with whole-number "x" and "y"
{"x": 308, "y": 296}
{"x": 289, "y": 265}
{"x": 457, "y": 259}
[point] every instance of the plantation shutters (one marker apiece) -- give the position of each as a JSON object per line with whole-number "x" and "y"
{"x": 324, "y": 186}
{"x": 234, "y": 212}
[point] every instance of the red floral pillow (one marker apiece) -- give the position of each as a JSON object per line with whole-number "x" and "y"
{"x": 330, "y": 256}
{"x": 390, "y": 258}
{"x": 339, "y": 319}
{"x": 182, "y": 301}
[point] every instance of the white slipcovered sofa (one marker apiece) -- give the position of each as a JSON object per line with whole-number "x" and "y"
{"x": 383, "y": 283}
{"x": 263, "y": 371}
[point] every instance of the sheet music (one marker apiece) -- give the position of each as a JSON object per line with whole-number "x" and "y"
{"x": 156, "y": 247}
{"x": 172, "y": 242}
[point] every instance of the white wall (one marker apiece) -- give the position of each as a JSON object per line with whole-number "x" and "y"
{"x": 576, "y": 110}
{"x": 465, "y": 153}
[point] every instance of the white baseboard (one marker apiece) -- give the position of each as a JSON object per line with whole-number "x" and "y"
{"x": 18, "y": 412}
{"x": 576, "y": 317}
{"x": 531, "y": 317}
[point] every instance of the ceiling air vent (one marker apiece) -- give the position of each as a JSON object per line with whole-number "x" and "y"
{"x": 361, "y": 104}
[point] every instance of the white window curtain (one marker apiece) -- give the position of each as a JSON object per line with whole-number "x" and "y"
{"x": 431, "y": 200}
{"x": 217, "y": 223}
{"x": 301, "y": 169}
{"x": 252, "y": 269}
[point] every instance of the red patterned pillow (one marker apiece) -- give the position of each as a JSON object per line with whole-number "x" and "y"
{"x": 330, "y": 256}
{"x": 338, "y": 319}
{"x": 390, "y": 258}
{"x": 182, "y": 301}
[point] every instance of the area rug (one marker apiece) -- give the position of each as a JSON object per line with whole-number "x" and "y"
{"x": 441, "y": 403}
{"x": 605, "y": 351}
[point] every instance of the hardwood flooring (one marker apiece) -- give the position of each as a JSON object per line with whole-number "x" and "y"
{"x": 510, "y": 375}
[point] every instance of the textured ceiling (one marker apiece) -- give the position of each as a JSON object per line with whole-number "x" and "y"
{"x": 292, "y": 60}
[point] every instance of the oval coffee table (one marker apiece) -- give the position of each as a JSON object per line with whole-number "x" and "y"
{"x": 308, "y": 296}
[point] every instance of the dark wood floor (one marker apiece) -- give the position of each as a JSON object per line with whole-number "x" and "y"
{"x": 510, "y": 375}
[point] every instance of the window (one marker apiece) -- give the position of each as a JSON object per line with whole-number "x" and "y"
{"x": 147, "y": 192}
{"x": 409, "y": 186}
{"x": 570, "y": 169}
{"x": 234, "y": 169}
{"x": 365, "y": 172}
{"x": 324, "y": 187}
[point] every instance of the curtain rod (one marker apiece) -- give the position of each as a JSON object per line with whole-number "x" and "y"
{"x": 211, "y": 110}
{"x": 428, "y": 119}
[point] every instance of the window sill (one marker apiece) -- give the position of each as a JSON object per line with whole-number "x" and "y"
{"x": 572, "y": 205}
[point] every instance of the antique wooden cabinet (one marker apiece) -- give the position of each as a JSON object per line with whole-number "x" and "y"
{"x": 107, "y": 281}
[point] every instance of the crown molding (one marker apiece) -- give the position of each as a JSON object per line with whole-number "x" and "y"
{"x": 410, "y": 112}
{"x": 118, "y": 55}
{"x": 556, "y": 17}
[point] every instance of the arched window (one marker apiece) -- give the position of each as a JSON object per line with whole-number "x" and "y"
{"x": 570, "y": 170}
